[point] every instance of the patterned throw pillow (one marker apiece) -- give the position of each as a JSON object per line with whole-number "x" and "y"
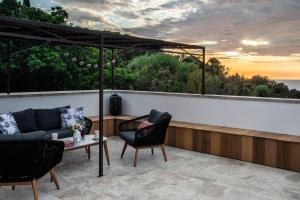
{"x": 71, "y": 116}
{"x": 145, "y": 124}
{"x": 8, "y": 124}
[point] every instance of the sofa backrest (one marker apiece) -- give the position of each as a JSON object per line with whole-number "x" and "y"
{"x": 31, "y": 120}
{"x": 26, "y": 120}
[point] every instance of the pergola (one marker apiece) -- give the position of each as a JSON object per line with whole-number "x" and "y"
{"x": 11, "y": 27}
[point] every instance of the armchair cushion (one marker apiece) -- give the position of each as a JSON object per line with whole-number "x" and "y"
{"x": 25, "y": 120}
{"x": 8, "y": 124}
{"x": 128, "y": 136}
{"x": 48, "y": 119}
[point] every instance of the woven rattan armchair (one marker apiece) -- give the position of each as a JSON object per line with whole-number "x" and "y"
{"x": 148, "y": 137}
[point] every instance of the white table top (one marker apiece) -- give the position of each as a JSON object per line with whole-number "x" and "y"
{"x": 86, "y": 141}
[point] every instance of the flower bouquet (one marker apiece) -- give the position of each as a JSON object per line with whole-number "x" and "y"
{"x": 76, "y": 131}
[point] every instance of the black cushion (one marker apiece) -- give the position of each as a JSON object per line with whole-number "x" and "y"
{"x": 25, "y": 120}
{"x": 157, "y": 117}
{"x": 48, "y": 119}
{"x": 30, "y": 136}
{"x": 62, "y": 133}
{"x": 128, "y": 136}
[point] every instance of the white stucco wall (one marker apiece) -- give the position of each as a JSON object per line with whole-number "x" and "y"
{"x": 274, "y": 115}
{"x": 21, "y": 101}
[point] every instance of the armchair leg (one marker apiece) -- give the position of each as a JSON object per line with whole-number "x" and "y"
{"x": 124, "y": 149}
{"x": 152, "y": 151}
{"x": 164, "y": 152}
{"x": 106, "y": 152}
{"x": 54, "y": 178}
{"x": 34, "y": 189}
{"x": 136, "y": 157}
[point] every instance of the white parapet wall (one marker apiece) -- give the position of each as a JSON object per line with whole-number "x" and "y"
{"x": 262, "y": 114}
{"x": 88, "y": 99}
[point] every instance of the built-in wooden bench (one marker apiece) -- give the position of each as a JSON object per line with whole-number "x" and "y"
{"x": 271, "y": 149}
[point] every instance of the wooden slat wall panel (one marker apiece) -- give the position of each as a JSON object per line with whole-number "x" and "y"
{"x": 108, "y": 127}
{"x": 247, "y": 149}
{"x": 184, "y": 138}
{"x": 270, "y": 153}
{"x": 259, "y": 150}
{"x": 215, "y": 143}
{"x": 284, "y": 155}
{"x": 295, "y": 157}
{"x": 201, "y": 141}
{"x": 171, "y": 136}
{"x": 231, "y": 146}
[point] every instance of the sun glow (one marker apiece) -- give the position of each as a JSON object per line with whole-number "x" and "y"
{"x": 250, "y": 64}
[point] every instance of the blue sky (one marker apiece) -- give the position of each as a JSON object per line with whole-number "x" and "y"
{"x": 249, "y": 35}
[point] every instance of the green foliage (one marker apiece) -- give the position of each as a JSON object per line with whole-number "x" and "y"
{"x": 161, "y": 72}
{"x": 261, "y": 91}
{"x": 15, "y": 9}
{"x": 26, "y": 3}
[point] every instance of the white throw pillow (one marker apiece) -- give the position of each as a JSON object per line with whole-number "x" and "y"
{"x": 71, "y": 116}
{"x": 8, "y": 124}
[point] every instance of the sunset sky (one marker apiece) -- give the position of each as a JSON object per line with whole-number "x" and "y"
{"x": 249, "y": 36}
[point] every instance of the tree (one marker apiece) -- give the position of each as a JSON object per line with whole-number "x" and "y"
{"x": 161, "y": 72}
{"x": 261, "y": 91}
{"x": 26, "y": 3}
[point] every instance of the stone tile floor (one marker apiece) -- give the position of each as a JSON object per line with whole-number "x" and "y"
{"x": 187, "y": 175}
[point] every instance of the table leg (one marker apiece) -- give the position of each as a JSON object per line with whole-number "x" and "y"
{"x": 106, "y": 151}
{"x": 88, "y": 149}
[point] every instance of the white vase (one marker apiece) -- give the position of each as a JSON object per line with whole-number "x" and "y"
{"x": 76, "y": 136}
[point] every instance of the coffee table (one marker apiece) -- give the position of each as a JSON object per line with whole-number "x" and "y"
{"x": 86, "y": 143}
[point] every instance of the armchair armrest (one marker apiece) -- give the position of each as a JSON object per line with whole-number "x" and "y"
{"x": 132, "y": 124}
{"x": 54, "y": 153}
{"x": 27, "y": 159}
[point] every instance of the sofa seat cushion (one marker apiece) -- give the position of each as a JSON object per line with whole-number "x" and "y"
{"x": 48, "y": 119}
{"x": 8, "y": 124}
{"x": 26, "y": 120}
{"x": 30, "y": 136}
{"x": 62, "y": 133}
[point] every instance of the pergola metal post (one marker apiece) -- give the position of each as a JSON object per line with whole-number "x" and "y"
{"x": 101, "y": 78}
{"x": 112, "y": 69}
{"x": 8, "y": 65}
{"x": 203, "y": 71}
